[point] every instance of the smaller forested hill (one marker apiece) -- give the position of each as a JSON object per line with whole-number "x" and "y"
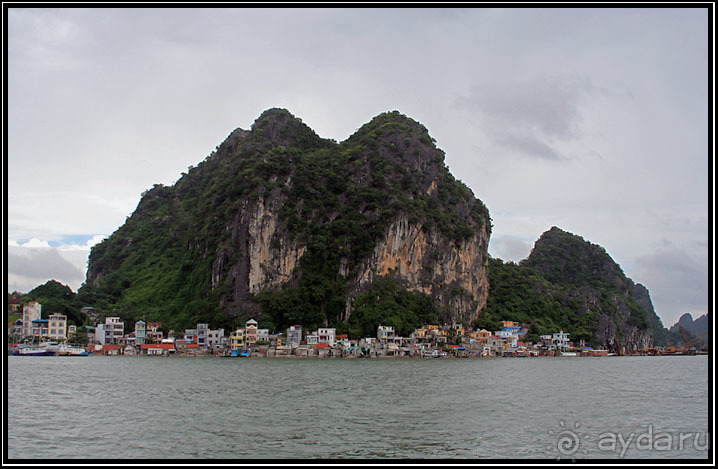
{"x": 571, "y": 284}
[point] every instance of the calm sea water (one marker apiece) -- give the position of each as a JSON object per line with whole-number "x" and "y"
{"x": 234, "y": 408}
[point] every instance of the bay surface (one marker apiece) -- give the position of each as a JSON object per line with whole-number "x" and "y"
{"x": 273, "y": 408}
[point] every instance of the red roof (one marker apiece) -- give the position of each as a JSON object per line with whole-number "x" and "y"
{"x": 192, "y": 345}
{"x": 322, "y": 345}
{"x": 159, "y": 346}
{"x": 111, "y": 347}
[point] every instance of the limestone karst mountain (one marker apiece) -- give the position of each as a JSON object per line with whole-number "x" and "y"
{"x": 281, "y": 224}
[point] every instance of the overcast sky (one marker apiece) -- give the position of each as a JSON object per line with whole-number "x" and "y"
{"x": 592, "y": 120}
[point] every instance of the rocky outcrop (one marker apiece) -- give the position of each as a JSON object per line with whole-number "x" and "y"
{"x": 453, "y": 273}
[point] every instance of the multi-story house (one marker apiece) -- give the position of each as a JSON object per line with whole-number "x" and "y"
{"x": 215, "y": 337}
{"x": 236, "y": 340}
{"x": 496, "y": 343}
{"x": 385, "y": 334}
{"x": 312, "y": 338}
{"x": 154, "y": 335}
{"x": 326, "y": 335}
{"x": 419, "y": 334}
{"x": 202, "y": 333}
{"x": 140, "y": 333}
{"x": 57, "y": 327}
{"x": 190, "y": 336}
{"x": 250, "y": 332}
{"x": 116, "y": 327}
{"x": 31, "y": 311}
{"x": 111, "y": 332}
{"x": 40, "y": 328}
{"x": 481, "y": 336}
{"x": 262, "y": 335}
{"x": 560, "y": 339}
{"x": 294, "y": 335}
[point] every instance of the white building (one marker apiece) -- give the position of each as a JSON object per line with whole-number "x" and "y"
{"x": 312, "y": 338}
{"x": 294, "y": 335}
{"x": 560, "y": 339}
{"x": 110, "y": 332}
{"x": 510, "y": 336}
{"x": 215, "y": 337}
{"x": 326, "y": 335}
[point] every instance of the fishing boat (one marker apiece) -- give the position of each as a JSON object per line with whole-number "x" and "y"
{"x": 245, "y": 353}
{"x": 72, "y": 351}
{"x": 35, "y": 351}
{"x": 569, "y": 354}
{"x": 433, "y": 354}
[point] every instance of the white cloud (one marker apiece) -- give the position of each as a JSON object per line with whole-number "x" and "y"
{"x": 29, "y": 267}
{"x": 35, "y": 243}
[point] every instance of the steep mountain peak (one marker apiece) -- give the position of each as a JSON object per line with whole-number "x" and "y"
{"x": 686, "y": 318}
{"x": 280, "y": 127}
{"x": 392, "y": 124}
{"x": 568, "y": 259}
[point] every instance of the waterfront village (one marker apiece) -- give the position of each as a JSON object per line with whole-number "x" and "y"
{"x": 147, "y": 338}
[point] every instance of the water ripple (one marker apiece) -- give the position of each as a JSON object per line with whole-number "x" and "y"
{"x": 211, "y": 408}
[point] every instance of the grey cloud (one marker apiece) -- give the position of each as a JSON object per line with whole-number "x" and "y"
{"x": 510, "y": 248}
{"x": 531, "y": 116}
{"x": 528, "y": 144}
{"x": 41, "y": 265}
{"x": 677, "y": 281}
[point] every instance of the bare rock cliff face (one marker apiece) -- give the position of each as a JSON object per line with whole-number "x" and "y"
{"x": 454, "y": 274}
{"x": 261, "y": 255}
{"x": 258, "y": 256}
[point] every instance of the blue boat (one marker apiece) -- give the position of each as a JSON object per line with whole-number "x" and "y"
{"x": 245, "y": 353}
{"x": 235, "y": 353}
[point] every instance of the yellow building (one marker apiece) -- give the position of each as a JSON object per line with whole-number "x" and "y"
{"x": 57, "y": 327}
{"x": 510, "y": 324}
{"x": 236, "y": 340}
{"x": 432, "y": 327}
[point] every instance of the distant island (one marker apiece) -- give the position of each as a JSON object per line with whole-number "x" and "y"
{"x": 290, "y": 228}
